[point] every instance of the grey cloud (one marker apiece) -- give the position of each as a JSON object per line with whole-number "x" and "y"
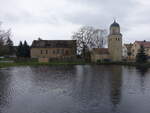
{"x": 29, "y": 18}
{"x": 130, "y": 14}
{"x": 105, "y": 11}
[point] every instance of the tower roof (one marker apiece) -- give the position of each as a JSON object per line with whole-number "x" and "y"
{"x": 115, "y": 24}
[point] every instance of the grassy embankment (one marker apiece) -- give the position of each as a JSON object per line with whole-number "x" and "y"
{"x": 125, "y": 64}
{"x": 33, "y": 62}
{"x": 4, "y": 64}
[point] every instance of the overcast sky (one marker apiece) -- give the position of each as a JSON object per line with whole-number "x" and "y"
{"x": 57, "y": 19}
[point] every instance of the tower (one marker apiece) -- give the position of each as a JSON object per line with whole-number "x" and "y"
{"x": 115, "y": 42}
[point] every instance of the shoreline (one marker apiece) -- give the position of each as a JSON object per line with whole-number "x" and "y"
{"x": 12, "y": 64}
{"x": 134, "y": 64}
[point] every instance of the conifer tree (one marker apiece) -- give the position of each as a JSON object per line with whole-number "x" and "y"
{"x": 19, "y": 52}
{"x": 141, "y": 56}
{"x": 23, "y": 50}
{"x": 26, "y": 49}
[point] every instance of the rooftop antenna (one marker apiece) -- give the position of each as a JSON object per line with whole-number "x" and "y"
{"x": 114, "y": 19}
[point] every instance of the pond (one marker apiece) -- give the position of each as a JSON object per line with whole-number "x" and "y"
{"x": 75, "y": 89}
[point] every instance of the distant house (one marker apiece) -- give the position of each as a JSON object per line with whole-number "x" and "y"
{"x": 53, "y": 49}
{"x": 127, "y": 51}
{"x": 136, "y": 47}
{"x": 124, "y": 52}
{"x": 99, "y": 54}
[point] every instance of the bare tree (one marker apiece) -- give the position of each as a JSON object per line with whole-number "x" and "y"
{"x": 87, "y": 37}
{"x": 99, "y": 38}
{"x": 4, "y": 37}
{"x": 83, "y": 38}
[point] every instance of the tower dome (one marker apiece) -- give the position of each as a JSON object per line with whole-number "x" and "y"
{"x": 114, "y": 28}
{"x": 115, "y": 24}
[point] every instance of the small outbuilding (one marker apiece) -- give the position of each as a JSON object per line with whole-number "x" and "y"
{"x": 99, "y": 54}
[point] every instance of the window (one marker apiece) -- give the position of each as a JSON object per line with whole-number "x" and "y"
{"x": 62, "y": 51}
{"x": 53, "y": 51}
{"x": 46, "y": 52}
{"x": 41, "y": 52}
{"x": 67, "y": 52}
{"x": 117, "y": 39}
{"x": 57, "y": 51}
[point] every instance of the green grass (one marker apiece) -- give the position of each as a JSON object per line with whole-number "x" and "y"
{"x": 2, "y": 65}
{"x": 35, "y": 63}
{"x": 125, "y": 64}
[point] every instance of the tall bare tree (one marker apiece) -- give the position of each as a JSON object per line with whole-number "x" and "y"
{"x": 99, "y": 38}
{"x": 5, "y": 37}
{"x": 88, "y": 37}
{"x": 83, "y": 38}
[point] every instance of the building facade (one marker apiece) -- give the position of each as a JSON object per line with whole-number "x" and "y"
{"x": 136, "y": 46}
{"x": 53, "y": 49}
{"x": 124, "y": 52}
{"x": 99, "y": 54}
{"x": 127, "y": 51}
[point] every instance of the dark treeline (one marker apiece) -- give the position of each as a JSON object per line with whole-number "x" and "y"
{"x": 23, "y": 50}
{"x": 7, "y": 48}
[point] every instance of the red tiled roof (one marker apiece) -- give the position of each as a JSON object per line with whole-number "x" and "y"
{"x": 144, "y": 43}
{"x": 101, "y": 50}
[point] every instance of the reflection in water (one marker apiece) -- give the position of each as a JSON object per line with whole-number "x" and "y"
{"x": 74, "y": 89}
{"x": 143, "y": 72}
{"x": 4, "y": 85}
{"x": 116, "y": 82}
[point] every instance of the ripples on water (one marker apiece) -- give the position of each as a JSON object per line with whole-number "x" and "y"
{"x": 75, "y": 89}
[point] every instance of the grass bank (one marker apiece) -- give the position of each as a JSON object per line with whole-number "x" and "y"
{"x": 125, "y": 64}
{"x": 10, "y": 64}
{"x": 33, "y": 62}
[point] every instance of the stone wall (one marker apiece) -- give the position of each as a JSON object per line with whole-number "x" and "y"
{"x": 52, "y": 52}
{"x": 43, "y": 60}
{"x": 96, "y": 57}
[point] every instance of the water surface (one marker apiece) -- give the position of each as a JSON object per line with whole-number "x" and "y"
{"x": 75, "y": 89}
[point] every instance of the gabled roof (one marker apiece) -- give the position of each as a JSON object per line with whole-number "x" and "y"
{"x": 100, "y": 50}
{"x": 128, "y": 46}
{"x": 53, "y": 43}
{"x": 146, "y": 44}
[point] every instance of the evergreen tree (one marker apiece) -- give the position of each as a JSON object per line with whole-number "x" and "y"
{"x": 26, "y": 49}
{"x": 19, "y": 52}
{"x": 141, "y": 56}
{"x": 23, "y": 50}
